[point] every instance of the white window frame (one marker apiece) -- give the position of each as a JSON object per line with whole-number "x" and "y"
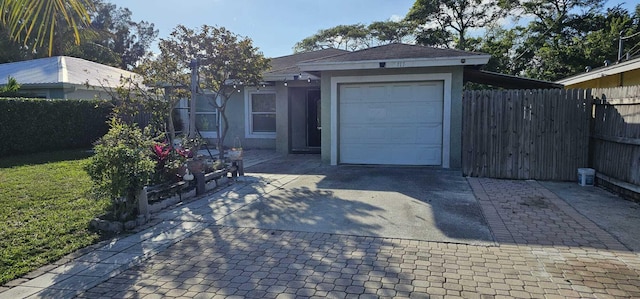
{"x": 183, "y": 106}
{"x": 249, "y": 112}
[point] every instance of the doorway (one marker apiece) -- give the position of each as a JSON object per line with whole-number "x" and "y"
{"x": 305, "y": 125}
{"x": 314, "y": 124}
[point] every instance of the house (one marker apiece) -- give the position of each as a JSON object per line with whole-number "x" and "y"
{"x": 63, "y": 77}
{"x": 624, "y": 73}
{"x": 394, "y": 104}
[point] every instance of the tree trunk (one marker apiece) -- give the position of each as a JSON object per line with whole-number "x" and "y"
{"x": 172, "y": 129}
{"x": 194, "y": 95}
{"x": 222, "y": 135}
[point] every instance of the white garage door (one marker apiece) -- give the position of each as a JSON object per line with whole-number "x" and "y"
{"x": 391, "y": 123}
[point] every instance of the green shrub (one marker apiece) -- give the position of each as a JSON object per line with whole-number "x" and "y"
{"x": 121, "y": 166}
{"x": 37, "y": 125}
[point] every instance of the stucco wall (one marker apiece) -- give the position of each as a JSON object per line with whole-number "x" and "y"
{"x": 237, "y": 116}
{"x": 455, "y": 160}
{"x": 72, "y": 93}
{"x": 90, "y": 94}
{"x": 237, "y": 125}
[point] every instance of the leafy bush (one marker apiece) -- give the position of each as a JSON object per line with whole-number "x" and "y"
{"x": 121, "y": 166}
{"x": 37, "y": 125}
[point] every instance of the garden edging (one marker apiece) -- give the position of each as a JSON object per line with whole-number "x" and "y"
{"x": 151, "y": 201}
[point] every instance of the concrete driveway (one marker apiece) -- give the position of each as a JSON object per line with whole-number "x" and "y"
{"x": 548, "y": 247}
{"x": 426, "y": 204}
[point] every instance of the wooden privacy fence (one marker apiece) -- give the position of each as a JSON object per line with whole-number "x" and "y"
{"x": 525, "y": 134}
{"x": 615, "y": 141}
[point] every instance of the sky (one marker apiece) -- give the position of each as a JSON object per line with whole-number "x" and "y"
{"x": 275, "y": 26}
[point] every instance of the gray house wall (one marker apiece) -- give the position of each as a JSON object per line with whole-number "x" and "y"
{"x": 456, "y": 72}
{"x": 237, "y": 125}
{"x": 236, "y": 111}
{"x": 58, "y": 91}
{"x": 88, "y": 94}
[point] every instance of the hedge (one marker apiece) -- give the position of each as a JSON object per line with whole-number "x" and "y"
{"x": 37, "y": 125}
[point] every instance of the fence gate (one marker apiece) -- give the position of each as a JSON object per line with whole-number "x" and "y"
{"x": 526, "y": 134}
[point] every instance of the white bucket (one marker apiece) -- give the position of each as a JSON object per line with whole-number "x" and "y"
{"x": 586, "y": 176}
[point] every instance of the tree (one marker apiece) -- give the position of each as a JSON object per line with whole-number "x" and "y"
{"x": 500, "y": 44}
{"x": 567, "y": 36}
{"x": 386, "y": 32}
{"x": 36, "y": 20}
{"x": 11, "y": 88}
{"x": 447, "y": 22}
{"x": 357, "y": 36}
{"x": 116, "y": 32}
{"x": 10, "y": 50}
{"x": 348, "y": 37}
{"x": 166, "y": 81}
{"x": 112, "y": 38}
{"x": 225, "y": 61}
{"x": 563, "y": 39}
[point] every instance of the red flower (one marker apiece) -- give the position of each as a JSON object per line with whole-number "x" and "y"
{"x": 161, "y": 150}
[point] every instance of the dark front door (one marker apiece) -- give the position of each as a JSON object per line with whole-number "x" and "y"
{"x": 314, "y": 125}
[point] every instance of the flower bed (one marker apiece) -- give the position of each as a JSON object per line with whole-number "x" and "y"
{"x": 143, "y": 176}
{"x": 158, "y": 198}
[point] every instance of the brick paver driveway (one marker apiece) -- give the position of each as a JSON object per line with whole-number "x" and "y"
{"x": 543, "y": 249}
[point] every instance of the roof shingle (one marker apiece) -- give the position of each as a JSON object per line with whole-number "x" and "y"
{"x": 397, "y": 51}
{"x": 289, "y": 64}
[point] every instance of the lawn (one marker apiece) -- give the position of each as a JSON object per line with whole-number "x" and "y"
{"x": 45, "y": 209}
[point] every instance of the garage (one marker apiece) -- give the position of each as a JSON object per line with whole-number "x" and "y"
{"x": 391, "y": 123}
{"x": 393, "y": 104}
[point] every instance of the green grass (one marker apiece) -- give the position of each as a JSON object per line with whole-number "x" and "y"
{"x": 45, "y": 209}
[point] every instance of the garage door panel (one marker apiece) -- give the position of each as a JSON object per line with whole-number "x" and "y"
{"x": 356, "y": 114}
{"x": 431, "y": 134}
{"x": 393, "y": 155}
{"x": 350, "y": 94}
{"x": 364, "y": 134}
{"x": 379, "y": 135}
{"x": 423, "y": 112}
{"x": 373, "y": 93}
{"x": 391, "y": 123}
{"x": 433, "y": 90}
{"x": 420, "y": 113}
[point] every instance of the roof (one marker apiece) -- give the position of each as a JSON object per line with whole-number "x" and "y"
{"x": 287, "y": 66}
{"x": 617, "y": 68}
{"x": 506, "y": 81}
{"x": 396, "y": 56}
{"x": 63, "y": 70}
{"x": 397, "y": 51}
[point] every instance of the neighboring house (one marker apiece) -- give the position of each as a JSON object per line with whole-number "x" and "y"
{"x": 63, "y": 77}
{"x": 395, "y": 104}
{"x": 625, "y": 73}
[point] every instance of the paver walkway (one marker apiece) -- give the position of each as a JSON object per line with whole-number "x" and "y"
{"x": 545, "y": 249}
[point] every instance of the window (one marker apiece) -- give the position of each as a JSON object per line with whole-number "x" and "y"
{"x": 206, "y": 117}
{"x": 261, "y": 114}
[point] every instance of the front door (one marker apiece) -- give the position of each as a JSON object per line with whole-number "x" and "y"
{"x": 314, "y": 125}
